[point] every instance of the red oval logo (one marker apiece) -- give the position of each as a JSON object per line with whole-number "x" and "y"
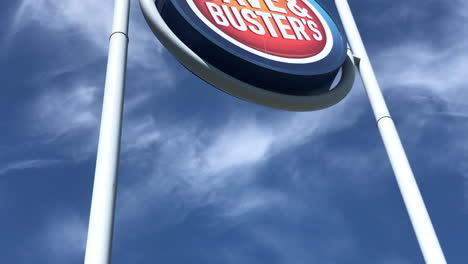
{"x": 284, "y": 30}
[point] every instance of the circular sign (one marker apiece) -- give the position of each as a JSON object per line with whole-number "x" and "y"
{"x": 284, "y": 31}
{"x": 276, "y": 47}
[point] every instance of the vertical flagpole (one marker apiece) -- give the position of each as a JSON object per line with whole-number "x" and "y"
{"x": 412, "y": 198}
{"x": 101, "y": 220}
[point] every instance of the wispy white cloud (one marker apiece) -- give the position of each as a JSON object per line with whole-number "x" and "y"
{"x": 70, "y": 113}
{"x": 198, "y": 165}
{"x": 439, "y": 72}
{"x": 433, "y": 74}
{"x": 236, "y": 146}
{"x": 140, "y": 134}
{"x": 192, "y": 168}
{"x": 61, "y": 111}
{"x": 89, "y": 18}
{"x": 286, "y": 247}
{"x": 64, "y": 236}
{"x": 91, "y": 21}
{"x": 422, "y": 63}
{"x": 25, "y": 165}
{"x": 68, "y": 116}
{"x": 253, "y": 201}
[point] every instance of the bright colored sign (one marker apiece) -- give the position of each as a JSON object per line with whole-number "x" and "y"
{"x": 288, "y": 47}
{"x": 289, "y": 31}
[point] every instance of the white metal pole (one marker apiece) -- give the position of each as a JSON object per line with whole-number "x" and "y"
{"x": 101, "y": 220}
{"x": 412, "y": 198}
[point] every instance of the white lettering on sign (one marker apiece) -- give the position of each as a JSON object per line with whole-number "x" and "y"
{"x": 250, "y": 17}
{"x": 273, "y": 8}
{"x": 245, "y": 19}
{"x": 292, "y": 31}
{"x": 297, "y": 10}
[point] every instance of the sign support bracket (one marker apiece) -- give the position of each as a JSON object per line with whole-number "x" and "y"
{"x": 101, "y": 220}
{"x": 422, "y": 225}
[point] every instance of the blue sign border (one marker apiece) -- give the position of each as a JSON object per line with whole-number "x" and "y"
{"x": 330, "y": 63}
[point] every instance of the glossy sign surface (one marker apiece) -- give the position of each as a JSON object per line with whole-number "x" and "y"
{"x": 285, "y": 46}
{"x": 230, "y": 46}
{"x": 289, "y": 31}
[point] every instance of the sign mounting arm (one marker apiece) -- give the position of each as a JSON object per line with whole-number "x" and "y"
{"x": 412, "y": 198}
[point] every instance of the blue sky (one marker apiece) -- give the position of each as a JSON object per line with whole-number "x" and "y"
{"x": 207, "y": 178}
